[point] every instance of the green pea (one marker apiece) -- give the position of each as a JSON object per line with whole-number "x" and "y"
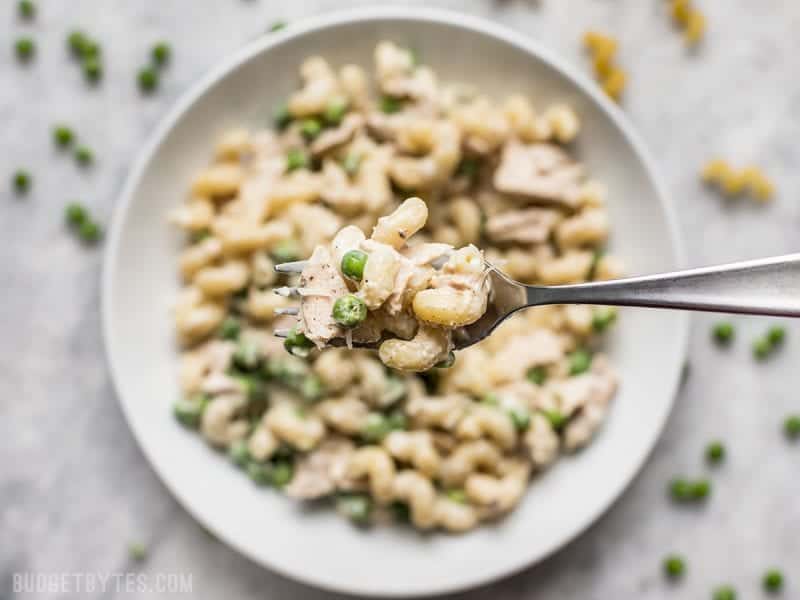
{"x": 674, "y": 566}
{"x": 188, "y": 411}
{"x": 351, "y": 163}
{"x": 296, "y": 159}
{"x": 725, "y": 592}
{"x": 557, "y": 418}
{"x": 349, "y": 311}
{"x": 468, "y": 167}
{"x": 490, "y": 399}
{"x": 84, "y": 155}
{"x": 457, "y": 495}
{"x": 310, "y": 128}
{"x": 335, "y": 111}
{"x": 90, "y": 232}
{"x": 603, "y": 317}
{"x": 277, "y": 26}
{"x": 680, "y": 489}
{"x": 715, "y": 452}
{"x": 391, "y": 105}
{"x": 199, "y": 235}
{"x": 27, "y": 9}
{"x": 521, "y": 418}
{"x": 25, "y": 48}
{"x": 579, "y": 361}
{"x": 63, "y": 135}
{"x": 161, "y": 54}
{"x": 22, "y": 181}
{"x": 298, "y": 344}
{"x": 311, "y": 388}
{"x": 77, "y": 41}
{"x": 260, "y": 474}
{"x": 91, "y": 49}
{"x": 238, "y": 453}
{"x": 252, "y": 387}
{"x": 773, "y": 580}
{"x": 282, "y": 473}
{"x": 397, "y": 421}
{"x": 230, "y": 328}
{"x": 281, "y": 117}
{"x": 776, "y": 335}
{"x": 356, "y": 507}
{"x": 376, "y": 427}
{"x": 700, "y": 489}
{"x": 723, "y": 332}
{"x": 400, "y": 512}
{"x": 353, "y": 263}
{"x": 92, "y": 69}
{"x": 447, "y": 362}
{"x": 537, "y": 374}
{"x": 247, "y": 356}
{"x": 286, "y": 251}
{"x": 394, "y": 391}
{"x": 137, "y": 551}
{"x": 761, "y": 348}
{"x": 791, "y": 426}
{"x": 76, "y": 214}
{"x": 147, "y": 77}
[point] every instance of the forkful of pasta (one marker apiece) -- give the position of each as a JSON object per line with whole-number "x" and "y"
{"x": 418, "y": 302}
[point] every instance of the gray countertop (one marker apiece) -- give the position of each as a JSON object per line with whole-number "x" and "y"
{"x": 74, "y": 487}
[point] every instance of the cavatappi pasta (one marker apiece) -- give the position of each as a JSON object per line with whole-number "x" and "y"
{"x": 446, "y": 448}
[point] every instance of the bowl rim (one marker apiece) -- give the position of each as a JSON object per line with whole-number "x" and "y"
{"x": 264, "y": 43}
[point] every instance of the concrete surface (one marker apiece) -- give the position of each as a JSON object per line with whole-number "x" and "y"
{"x": 74, "y": 488}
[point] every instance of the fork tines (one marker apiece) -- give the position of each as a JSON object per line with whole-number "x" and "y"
{"x": 296, "y": 266}
{"x": 289, "y": 292}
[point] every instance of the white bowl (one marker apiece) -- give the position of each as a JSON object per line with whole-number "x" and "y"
{"x": 317, "y": 546}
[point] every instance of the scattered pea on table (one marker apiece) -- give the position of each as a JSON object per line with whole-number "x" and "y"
{"x": 773, "y": 581}
{"x": 137, "y": 551}
{"x": 84, "y": 155}
{"x": 791, "y": 426}
{"x": 723, "y": 332}
{"x": 161, "y": 54}
{"x": 92, "y": 69}
{"x": 25, "y": 48}
{"x": 63, "y": 135}
{"x": 715, "y": 452}
{"x": 148, "y": 79}
{"x": 674, "y": 566}
{"x": 76, "y": 214}
{"x": 22, "y": 181}
{"x": 26, "y": 9}
{"x": 724, "y": 592}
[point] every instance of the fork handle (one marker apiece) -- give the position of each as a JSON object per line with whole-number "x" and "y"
{"x": 767, "y": 286}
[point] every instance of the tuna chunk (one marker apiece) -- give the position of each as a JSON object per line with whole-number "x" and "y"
{"x": 322, "y": 471}
{"x": 321, "y": 284}
{"x": 541, "y": 172}
{"x": 527, "y": 226}
{"x": 540, "y": 347}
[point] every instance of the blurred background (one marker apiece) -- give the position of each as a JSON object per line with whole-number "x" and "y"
{"x": 76, "y": 493}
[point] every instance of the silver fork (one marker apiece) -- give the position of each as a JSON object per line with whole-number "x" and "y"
{"x": 767, "y": 286}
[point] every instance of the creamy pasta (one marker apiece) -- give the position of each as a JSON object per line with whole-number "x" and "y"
{"x": 352, "y": 169}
